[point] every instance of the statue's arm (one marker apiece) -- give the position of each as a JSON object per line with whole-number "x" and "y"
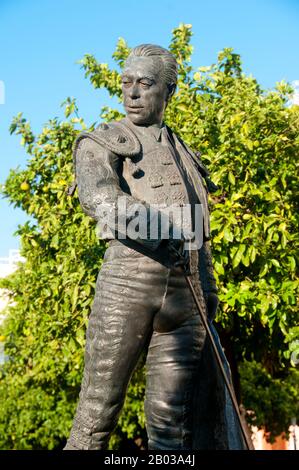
{"x": 99, "y": 192}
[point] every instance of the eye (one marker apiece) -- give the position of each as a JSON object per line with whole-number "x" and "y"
{"x": 126, "y": 83}
{"x": 146, "y": 83}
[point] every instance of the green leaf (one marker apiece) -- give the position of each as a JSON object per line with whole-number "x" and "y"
{"x": 228, "y": 235}
{"x": 239, "y": 255}
{"x": 231, "y": 178}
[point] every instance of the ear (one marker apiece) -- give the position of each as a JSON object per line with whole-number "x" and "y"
{"x": 171, "y": 90}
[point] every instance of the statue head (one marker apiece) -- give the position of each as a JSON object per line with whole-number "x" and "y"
{"x": 149, "y": 80}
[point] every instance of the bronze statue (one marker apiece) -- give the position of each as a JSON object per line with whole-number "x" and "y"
{"x": 142, "y": 301}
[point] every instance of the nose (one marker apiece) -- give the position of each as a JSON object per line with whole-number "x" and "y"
{"x": 134, "y": 92}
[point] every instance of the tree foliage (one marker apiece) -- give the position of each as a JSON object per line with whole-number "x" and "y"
{"x": 249, "y": 140}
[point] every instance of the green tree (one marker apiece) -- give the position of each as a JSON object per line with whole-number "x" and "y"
{"x": 249, "y": 140}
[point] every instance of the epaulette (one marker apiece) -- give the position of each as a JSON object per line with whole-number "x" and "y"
{"x": 115, "y": 136}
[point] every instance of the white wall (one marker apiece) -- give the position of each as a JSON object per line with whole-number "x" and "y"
{"x": 7, "y": 266}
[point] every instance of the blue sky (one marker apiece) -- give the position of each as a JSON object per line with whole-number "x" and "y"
{"x": 40, "y": 42}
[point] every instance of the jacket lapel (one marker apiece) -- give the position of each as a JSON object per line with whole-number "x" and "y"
{"x": 196, "y": 178}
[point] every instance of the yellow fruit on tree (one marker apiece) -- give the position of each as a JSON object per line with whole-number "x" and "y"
{"x": 25, "y": 186}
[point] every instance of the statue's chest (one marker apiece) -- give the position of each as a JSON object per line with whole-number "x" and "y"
{"x": 155, "y": 177}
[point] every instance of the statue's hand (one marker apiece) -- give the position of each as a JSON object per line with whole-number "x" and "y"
{"x": 212, "y": 305}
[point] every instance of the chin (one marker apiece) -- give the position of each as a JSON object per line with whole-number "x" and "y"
{"x": 137, "y": 119}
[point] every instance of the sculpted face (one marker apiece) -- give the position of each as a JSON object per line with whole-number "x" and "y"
{"x": 145, "y": 93}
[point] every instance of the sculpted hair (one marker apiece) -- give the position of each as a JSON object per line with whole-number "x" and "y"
{"x": 166, "y": 60}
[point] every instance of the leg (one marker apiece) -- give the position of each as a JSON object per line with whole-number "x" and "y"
{"x": 172, "y": 363}
{"x": 119, "y": 326}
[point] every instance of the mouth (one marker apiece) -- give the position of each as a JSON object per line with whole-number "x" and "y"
{"x": 134, "y": 109}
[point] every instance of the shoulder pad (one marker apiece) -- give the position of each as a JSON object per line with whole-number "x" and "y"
{"x": 115, "y": 136}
